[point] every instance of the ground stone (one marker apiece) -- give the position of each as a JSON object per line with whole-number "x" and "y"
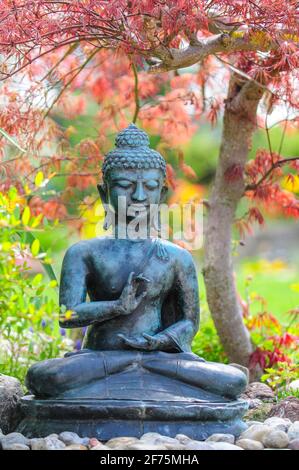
{"x": 258, "y": 390}
{"x": 281, "y": 424}
{"x": 121, "y": 441}
{"x": 53, "y": 443}
{"x": 230, "y": 438}
{"x": 276, "y": 439}
{"x": 224, "y": 446}
{"x": 76, "y": 447}
{"x": 249, "y": 444}
{"x": 70, "y": 438}
{"x": 165, "y": 440}
{"x": 100, "y": 447}
{"x": 294, "y": 386}
{"x": 294, "y": 444}
{"x": 38, "y": 444}
{"x": 260, "y": 413}
{"x": 293, "y": 432}
{"x": 145, "y": 445}
{"x": 13, "y": 438}
{"x": 10, "y": 394}
{"x": 287, "y": 408}
{"x": 17, "y": 447}
{"x": 257, "y": 432}
{"x": 183, "y": 439}
{"x": 94, "y": 442}
{"x": 150, "y": 436}
{"x": 198, "y": 445}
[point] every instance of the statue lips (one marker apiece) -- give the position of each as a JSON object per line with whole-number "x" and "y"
{"x": 137, "y": 210}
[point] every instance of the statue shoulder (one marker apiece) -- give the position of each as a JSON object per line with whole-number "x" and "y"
{"x": 83, "y": 248}
{"x": 180, "y": 255}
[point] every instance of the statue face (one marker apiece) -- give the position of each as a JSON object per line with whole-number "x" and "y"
{"x": 138, "y": 187}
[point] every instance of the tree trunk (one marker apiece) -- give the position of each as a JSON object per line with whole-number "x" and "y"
{"x": 238, "y": 126}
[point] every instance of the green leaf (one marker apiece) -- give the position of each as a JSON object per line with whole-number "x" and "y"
{"x": 37, "y": 279}
{"x": 35, "y": 247}
{"x": 47, "y": 267}
{"x": 11, "y": 140}
{"x": 26, "y": 216}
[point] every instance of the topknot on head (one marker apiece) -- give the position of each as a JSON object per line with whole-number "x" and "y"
{"x": 132, "y": 137}
{"x": 132, "y": 151}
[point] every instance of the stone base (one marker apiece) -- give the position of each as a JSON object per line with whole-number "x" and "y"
{"x": 105, "y": 419}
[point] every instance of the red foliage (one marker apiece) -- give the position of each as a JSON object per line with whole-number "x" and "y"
{"x": 266, "y": 358}
{"x": 53, "y": 209}
{"x": 90, "y": 46}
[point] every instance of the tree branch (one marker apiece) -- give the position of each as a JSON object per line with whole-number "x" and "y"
{"x": 198, "y": 50}
{"x": 253, "y": 187}
{"x": 136, "y": 94}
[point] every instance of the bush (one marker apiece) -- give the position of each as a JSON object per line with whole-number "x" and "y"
{"x": 28, "y": 306}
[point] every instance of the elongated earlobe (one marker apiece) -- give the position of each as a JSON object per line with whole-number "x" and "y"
{"x": 164, "y": 192}
{"x": 109, "y": 218}
{"x": 102, "y": 188}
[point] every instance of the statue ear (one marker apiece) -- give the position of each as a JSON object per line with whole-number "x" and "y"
{"x": 164, "y": 191}
{"x": 102, "y": 188}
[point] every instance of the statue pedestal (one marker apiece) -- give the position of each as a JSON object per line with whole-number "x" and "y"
{"x": 105, "y": 419}
{"x": 133, "y": 402}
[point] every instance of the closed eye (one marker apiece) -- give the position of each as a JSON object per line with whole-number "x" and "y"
{"x": 124, "y": 183}
{"x": 152, "y": 184}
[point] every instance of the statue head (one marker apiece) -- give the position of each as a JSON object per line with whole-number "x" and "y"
{"x": 133, "y": 172}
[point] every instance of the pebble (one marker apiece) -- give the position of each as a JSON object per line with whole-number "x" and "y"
{"x": 249, "y": 444}
{"x": 294, "y": 445}
{"x": 150, "y": 436}
{"x": 183, "y": 439}
{"x": 257, "y": 432}
{"x": 143, "y": 446}
{"x": 293, "y": 432}
{"x": 254, "y": 403}
{"x": 53, "y": 443}
{"x": 76, "y": 447}
{"x": 198, "y": 445}
{"x": 275, "y": 433}
{"x": 13, "y": 438}
{"x": 276, "y": 439}
{"x": 229, "y": 438}
{"x": 70, "y": 438}
{"x": 38, "y": 444}
{"x": 252, "y": 422}
{"x": 293, "y": 386}
{"x": 16, "y": 446}
{"x": 100, "y": 446}
{"x": 224, "y": 446}
{"x": 121, "y": 441}
{"x": 94, "y": 442}
{"x": 281, "y": 424}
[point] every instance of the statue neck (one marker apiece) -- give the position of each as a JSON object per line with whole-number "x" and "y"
{"x": 128, "y": 231}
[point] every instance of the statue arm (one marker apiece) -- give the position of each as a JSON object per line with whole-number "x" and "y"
{"x": 73, "y": 292}
{"x": 179, "y": 335}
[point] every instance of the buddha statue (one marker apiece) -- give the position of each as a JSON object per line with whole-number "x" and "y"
{"x": 136, "y": 371}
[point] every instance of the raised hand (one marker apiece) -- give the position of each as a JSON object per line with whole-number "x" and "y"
{"x": 129, "y": 301}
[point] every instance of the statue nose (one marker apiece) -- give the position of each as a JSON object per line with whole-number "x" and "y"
{"x": 139, "y": 194}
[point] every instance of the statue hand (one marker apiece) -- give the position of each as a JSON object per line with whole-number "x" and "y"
{"x": 144, "y": 342}
{"x": 128, "y": 302}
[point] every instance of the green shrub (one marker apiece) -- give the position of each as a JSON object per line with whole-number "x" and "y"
{"x": 28, "y": 306}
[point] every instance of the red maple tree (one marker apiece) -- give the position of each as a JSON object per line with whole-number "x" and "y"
{"x": 126, "y": 55}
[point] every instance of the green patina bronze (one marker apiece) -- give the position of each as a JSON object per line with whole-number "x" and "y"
{"x": 136, "y": 372}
